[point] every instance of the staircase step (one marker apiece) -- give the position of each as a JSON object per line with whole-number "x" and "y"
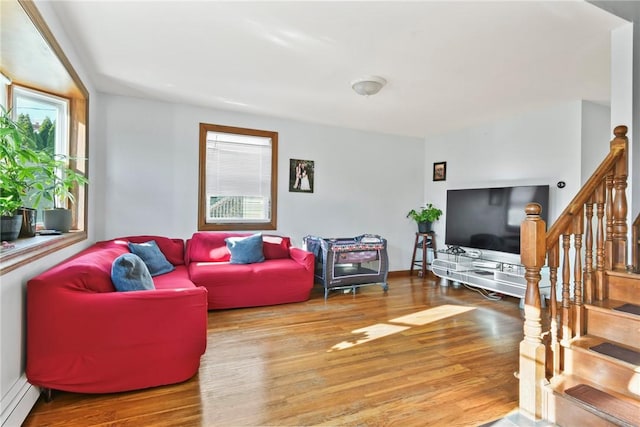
{"x": 624, "y": 286}
{"x": 618, "y": 352}
{"x": 567, "y": 410}
{"x": 582, "y": 359}
{"x": 625, "y": 411}
{"x": 605, "y": 319}
{"x": 629, "y": 308}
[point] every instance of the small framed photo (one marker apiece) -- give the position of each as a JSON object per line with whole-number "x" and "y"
{"x": 301, "y": 175}
{"x": 440, "y": 171}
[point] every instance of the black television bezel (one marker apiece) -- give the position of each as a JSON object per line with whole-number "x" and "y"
{"x": 544, "y": 215}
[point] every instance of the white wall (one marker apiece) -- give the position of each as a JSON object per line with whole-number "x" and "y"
{"x": 596, "y": 133}
{"x": 625, "y": 87}
{"x": 364, "y": 182}
{"x": 622, "y": 76}
{"x": 539, "y": 147}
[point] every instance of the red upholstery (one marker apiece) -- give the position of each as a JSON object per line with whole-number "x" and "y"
{"x": 275, "y": 247}
{"x": 285, "y": 276}
{"x": 82, "y": 336}
{"x": 211, "y": 247}
{"x": 173, "y": 249}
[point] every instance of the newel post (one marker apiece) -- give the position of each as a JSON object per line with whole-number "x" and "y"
{"x": 532, "y": 350}
{"x": 619, "y": 249}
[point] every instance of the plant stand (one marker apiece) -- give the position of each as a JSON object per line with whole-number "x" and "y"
{"x": 424, "y": 242}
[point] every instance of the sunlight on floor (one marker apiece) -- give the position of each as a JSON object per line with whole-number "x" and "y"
{"x": 369, "y": 333}
{"x": 419, "y": 318}
{"x": 423, "y": 317}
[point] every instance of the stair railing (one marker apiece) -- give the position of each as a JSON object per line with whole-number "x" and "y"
{"x": 581, "y": 266}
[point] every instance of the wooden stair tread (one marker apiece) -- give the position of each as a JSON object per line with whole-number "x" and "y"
{"x": 629, "y": 308}
{"x": 624, "y": 274}
{"x": 610, "y": 306}
{"x": 586, "y": 343}
{"x": 565, "y": 381}
{"x": 601, "y": 401}
{"x": 588, "y": 340}
{"x": 617, "y": 352}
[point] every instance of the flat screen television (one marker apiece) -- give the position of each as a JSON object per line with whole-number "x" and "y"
{"x": 490, "y": 218}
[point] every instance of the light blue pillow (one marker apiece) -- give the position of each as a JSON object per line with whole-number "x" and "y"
{"x": 130, "y": 273}
{"x": 152, "y": 256}
{"x": 245, "y": 250}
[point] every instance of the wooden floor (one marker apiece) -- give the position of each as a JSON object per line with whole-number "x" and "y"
{"x": 420, "y": 355}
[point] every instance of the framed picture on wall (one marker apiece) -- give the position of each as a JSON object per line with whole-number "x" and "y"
{"x": 440, "y": 171}
{"x": 301, "y": 175}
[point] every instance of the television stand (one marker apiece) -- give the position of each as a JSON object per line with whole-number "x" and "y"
{"x": 492, "y": 275}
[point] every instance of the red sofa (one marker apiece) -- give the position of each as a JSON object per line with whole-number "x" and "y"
{"x": 285, "y": 276}
{"x": 83, "y": 336}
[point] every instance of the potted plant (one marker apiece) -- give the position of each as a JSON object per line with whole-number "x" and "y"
{"x": 425, "y": 216}
{"x": 54, "y": 184}
{"x": 18, "y": 167}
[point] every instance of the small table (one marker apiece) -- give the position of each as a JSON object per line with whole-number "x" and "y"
{"x": 424, "y": 241}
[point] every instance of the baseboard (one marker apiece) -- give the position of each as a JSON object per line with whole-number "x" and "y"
{"x": 17, "y": 403}
{"x": 407, "y": 273}
{"x": 398, "y": 273}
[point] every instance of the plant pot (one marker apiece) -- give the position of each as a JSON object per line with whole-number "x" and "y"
{"x": 57, "y": 219}
{"x": 10, "y": 227}
{"x": 28, "y": 228}
{"x": 424, "y": 227}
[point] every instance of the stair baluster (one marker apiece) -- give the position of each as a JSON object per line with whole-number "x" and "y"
{"x": 565, "y": 320}
{"x": 588, "y": 252}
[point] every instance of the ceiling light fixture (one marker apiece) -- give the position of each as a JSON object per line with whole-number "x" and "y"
{"x": 369, "y": 85}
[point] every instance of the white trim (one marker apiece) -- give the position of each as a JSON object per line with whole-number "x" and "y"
{"x": 17, "y": 403}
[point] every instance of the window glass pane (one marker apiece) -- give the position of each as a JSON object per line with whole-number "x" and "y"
{"x": 45, "y": 117}
{"x": 237, "y": 178}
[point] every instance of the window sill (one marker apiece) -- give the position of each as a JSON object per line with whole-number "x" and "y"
{"x": 29, "y": 249}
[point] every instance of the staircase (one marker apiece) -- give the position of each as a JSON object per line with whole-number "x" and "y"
{"x": 580, "y": 358}
{"x": 600, "y": 382}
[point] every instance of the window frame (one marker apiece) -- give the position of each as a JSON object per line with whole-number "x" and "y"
{"x": 203, "y": 225}
{"x": 70, "y": 86}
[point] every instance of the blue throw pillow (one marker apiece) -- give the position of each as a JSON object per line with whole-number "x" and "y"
{"x": 152, "y": 256}
{"x": 129, "y": 273}
{"x": 245, "y": 250}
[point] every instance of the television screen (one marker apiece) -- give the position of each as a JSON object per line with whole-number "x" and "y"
{"x": 490, "y": 218}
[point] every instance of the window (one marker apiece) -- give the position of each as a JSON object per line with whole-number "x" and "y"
{"x": 48, "y": 83}
{"x": 46, "y": 118}
{"x": 238, "y": 179}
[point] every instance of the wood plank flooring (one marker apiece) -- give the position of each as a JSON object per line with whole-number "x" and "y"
{"x": 420, "y": 355}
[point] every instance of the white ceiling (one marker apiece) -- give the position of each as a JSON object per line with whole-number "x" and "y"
{"x": 448, "y": 64}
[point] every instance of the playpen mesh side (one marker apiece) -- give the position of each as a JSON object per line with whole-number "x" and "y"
{"x": 338, "y": 262}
